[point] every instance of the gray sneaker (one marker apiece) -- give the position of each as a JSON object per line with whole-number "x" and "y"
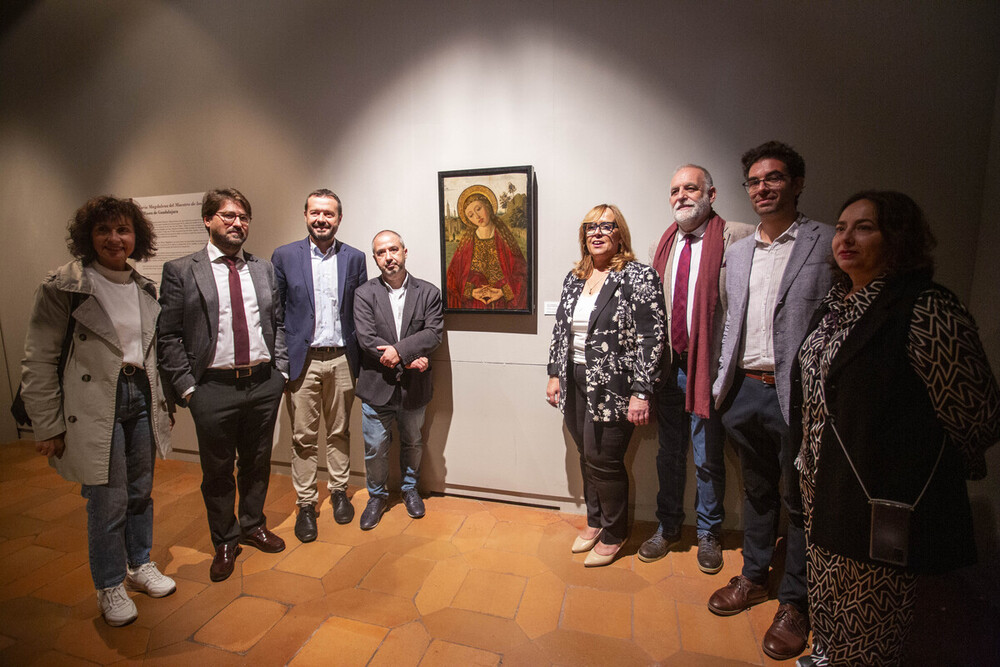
{"x": 709, "y": 554}
{"x": 117, "y": 607}
{"x": 657, "y": 546}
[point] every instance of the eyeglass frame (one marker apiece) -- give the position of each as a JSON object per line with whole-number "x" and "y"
{"x": 230, "y": 218}
{"x": 605, "y": 228}
{"x": 773, "y": 179}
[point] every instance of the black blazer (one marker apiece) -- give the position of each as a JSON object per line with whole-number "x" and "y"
{"x": 189, "y": 319}
{"x": 890, "y": 428}
{"x": 625, "y": 339}
{"x": 421, "y": 331}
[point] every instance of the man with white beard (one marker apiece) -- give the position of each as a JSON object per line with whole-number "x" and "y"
{"x": 690, "y": 260}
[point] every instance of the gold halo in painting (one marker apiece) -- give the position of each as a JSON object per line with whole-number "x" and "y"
{"x": 474, "y": 190}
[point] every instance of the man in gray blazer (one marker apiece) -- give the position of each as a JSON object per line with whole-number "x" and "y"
{"x": 689, "y": 258}
{"x": 775, "y": 280}
{"x": 221, "y": 347}
{"x": 399, "y": 321}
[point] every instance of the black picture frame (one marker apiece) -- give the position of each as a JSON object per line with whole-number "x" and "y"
{"x": 493, "y": 274}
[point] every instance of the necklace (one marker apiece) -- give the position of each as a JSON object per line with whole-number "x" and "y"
{"x": 591, "y": 286}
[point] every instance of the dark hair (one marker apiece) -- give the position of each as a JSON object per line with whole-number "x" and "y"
{"x": 777, "y": 151}
{"x": 106, "y": 209}
{"x": 215, "y": 199}
{"x": 907, "y": 239}
{"x": 330, "y": 194}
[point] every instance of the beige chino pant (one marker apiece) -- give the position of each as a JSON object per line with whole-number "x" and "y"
{"x": 325, "y": 386}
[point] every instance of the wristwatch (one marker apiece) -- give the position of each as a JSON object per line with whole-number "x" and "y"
{"x": 641, "y": 395}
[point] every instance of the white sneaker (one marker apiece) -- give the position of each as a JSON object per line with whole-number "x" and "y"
{"x": 116, "y": 606}
{"x": 149, "y": 580}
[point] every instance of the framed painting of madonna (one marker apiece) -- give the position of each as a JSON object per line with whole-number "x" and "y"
{"x": 487, "y": 239}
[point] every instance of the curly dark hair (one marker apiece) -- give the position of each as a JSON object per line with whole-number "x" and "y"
{"x": 104, "y": 209}
{"x": 906, "y": 235}
{"x": 775, "y": 150}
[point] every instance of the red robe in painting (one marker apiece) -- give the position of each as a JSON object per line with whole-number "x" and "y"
{"x": 512, "y": 264}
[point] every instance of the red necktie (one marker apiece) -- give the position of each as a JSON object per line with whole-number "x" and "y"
{"x": 679, "y": 307}
{"x": 241, "y": 333}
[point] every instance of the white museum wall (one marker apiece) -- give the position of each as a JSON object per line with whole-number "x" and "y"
{"x": 604, "y": 99}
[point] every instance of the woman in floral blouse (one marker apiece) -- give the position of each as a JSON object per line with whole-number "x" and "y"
{"x": 898, "y": 404}
{"x": 604, "y": 360}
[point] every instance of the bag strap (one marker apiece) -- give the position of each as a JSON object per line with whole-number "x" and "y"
{"x": 858, "y": 477}
{"x": 75, "y": 300}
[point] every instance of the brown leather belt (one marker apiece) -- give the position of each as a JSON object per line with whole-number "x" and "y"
{"x": 767, "y": 377}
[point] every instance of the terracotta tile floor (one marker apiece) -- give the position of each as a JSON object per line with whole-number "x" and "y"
{"x": 472, "y": 583}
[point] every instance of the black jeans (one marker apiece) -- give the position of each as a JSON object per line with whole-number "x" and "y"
{"x": 602, "y": 447}
{"x": 235, "y": 417}
{"x": 752, "y": 418}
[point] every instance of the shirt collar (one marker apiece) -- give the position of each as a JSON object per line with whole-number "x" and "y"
{"x": 214, "y": 254}
{"x": 406, "y": 280}
{"x": 697, "y": 233}
{"x": 314, "y": 249}
{"x": 786, "y": 236}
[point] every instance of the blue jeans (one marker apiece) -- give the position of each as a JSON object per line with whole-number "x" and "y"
{"x": 376, "y": 427}
{"x": 120, "y": 513}
{"x": 708, "y": 439}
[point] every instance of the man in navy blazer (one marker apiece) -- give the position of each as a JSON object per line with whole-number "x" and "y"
{"x": 775, "y": 279}
{"x": 316, "y": 280}
{"x": 400, "y": 323}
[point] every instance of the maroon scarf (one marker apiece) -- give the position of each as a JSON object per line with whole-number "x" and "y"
{"x": 706, "y": 295}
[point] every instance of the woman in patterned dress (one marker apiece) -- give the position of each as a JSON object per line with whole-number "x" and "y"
{"x": 607, "y": 344}
{"x": 898, "y": 403}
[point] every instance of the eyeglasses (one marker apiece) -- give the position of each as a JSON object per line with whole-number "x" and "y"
{"x": 772, "y": 180}
{"x": 230, "y": 218}
{"x": 595, "y": 228}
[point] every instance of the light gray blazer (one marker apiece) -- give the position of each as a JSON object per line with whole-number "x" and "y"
{"x": 189, "y": 319}
{"x": 806, "y": 281}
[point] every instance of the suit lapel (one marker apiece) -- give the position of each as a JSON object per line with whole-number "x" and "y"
{"x": 611, "y": 285}
{"x": 384, "y": 310}
{"x": 801, "y": 249}
{"x": 305, "y": 262}
{"x": 409, "y": 304}
{"x": 341, "y": 277}
{"x": 203, "y": 277}
{"x": 739, "y": 263}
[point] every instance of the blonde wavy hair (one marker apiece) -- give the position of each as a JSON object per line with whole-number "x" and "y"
{"x": 585, "y": 266}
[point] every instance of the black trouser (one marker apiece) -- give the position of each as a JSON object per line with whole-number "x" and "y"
{"x": 235, "y": 417}
{"x": 602, "y": 447}
{"x": 752, "y": 418}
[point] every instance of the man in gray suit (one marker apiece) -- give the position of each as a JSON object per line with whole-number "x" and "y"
{"x": 222, "y": 355}
{"x": 775, "y": 280}
{"x": 399, "y": 321}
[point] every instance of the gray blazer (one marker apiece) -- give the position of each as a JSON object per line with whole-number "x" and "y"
{"x": 421, "y": 331}
{"x": 189, "y": 319}
{"x": 806, "y": 281}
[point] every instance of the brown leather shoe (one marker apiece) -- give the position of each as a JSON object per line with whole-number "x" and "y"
{"x": 264, "y": 540}
{"x": 739, "y": 594}
{"x": 786, "y": 638}
{"x": 224, "y": 561}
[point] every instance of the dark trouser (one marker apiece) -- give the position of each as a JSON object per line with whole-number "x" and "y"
{"x": 235, "y": 417}
{"x": 754, "y": 422}
{"x": 602, "y": 447}
{"x": 675, "y": 427}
